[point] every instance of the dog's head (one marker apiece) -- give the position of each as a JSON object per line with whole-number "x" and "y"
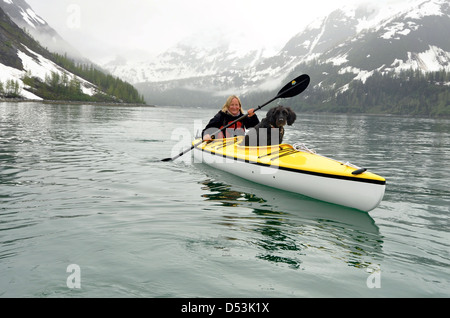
{"x": 280, "y": 116}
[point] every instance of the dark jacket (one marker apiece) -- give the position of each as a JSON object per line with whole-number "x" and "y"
{"x": 222, "y": 119}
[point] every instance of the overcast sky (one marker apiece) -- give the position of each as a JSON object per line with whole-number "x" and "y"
{"x": 102, "y": 27}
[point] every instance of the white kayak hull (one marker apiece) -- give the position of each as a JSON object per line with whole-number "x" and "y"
{"x": 357, "y": 193}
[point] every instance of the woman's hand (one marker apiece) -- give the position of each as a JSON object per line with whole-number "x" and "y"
{"x": 207, "y": 137}
{"x": 251, "y": 112}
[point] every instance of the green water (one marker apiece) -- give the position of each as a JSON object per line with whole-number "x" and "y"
{"x": 86, "y": 202}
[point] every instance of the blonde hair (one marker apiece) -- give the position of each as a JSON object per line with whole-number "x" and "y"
{"x": 228, "y": 102}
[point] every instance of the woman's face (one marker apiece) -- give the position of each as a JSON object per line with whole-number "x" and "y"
{"x": 234, "y": 107}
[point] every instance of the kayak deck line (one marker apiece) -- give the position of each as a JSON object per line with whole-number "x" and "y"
{"x": 287, "y": 153}
{"x": 242, "y": 154}
{"x": 381, "y": 182}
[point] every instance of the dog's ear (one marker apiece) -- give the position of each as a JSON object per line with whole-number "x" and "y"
{"x": 271, "y": 115}
{"x": 291, "y": 116}
{"x": 270, "y": 112}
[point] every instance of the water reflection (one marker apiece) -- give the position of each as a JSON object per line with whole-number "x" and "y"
{"x": 285, "y": 227}
{"x": 226, "y": 195}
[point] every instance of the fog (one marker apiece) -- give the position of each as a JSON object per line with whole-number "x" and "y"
{"x": 136, "y": 29}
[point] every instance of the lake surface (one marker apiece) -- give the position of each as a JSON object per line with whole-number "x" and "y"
{"x": 87, "y": 209}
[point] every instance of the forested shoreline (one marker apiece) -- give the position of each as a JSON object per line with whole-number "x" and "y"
{"x": 68, "y": 87}
{"x": 410, "y": 92}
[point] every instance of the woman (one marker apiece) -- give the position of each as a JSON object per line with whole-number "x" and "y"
{"x": 231, "y": 111}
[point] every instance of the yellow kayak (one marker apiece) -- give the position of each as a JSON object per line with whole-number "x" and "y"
{"x": 296, "y": 169}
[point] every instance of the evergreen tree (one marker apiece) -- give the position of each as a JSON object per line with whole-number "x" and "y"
{"x": 410, "y": 92}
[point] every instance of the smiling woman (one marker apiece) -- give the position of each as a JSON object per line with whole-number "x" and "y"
{"x": 230, "y": 115}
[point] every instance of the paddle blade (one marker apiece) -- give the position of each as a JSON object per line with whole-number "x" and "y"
{"x": 294, "y": 87}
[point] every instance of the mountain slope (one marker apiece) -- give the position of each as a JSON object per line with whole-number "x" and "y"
{"x": 412, "y": 39}
{"x": 186, "y": 60}
{"x": 23, "y": 15}
{"x": 345, "y": 48}
{"x": 27, "y": 70}
{"x": 14, "y": 42}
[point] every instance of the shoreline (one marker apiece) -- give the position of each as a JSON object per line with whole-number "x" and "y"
{"x": 65, "y": 102}
{"x": 68, "y": 102}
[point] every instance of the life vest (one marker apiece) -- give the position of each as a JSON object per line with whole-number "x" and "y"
{"x": 237, "y": 129}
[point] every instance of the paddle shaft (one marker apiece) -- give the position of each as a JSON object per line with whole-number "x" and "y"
{"x": 220, "y": 130}
{"x": 198, "y": 143}
{"x": 299, "y": 84}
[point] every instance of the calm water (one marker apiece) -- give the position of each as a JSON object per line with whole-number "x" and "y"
{"x": 85, "y": 202}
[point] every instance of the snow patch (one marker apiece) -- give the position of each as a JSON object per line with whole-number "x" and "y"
{"x": 339, "y": 60}
{"x": 381, "y": 13}
{"x": 349, "y": 69}
{"x": 427, "y": 9}
{"x": 7, "y": 73}
{"x": 363, "y": 76}
{"x": 40, "y": 67}
{"x": 27, "y": 18}
{"x": 34, "y": 16}
{"x": 316, "y": 40}
{"x": 10, "y": 73}
{"x": 432, "y": 60}
{"x": 397, "y": 28}
{"x": 306, "y": 44}
{"x": 342, "y": 89}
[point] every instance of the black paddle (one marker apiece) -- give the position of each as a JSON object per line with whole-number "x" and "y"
{"x": 293, "y": 88}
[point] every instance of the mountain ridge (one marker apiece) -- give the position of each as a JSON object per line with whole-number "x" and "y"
{"x": 350, "y": 44}
{"x": 21, "y": 13}
{"x": 30, "y": 71}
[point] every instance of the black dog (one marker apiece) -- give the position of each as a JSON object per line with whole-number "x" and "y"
{"x": 271, "y": 129}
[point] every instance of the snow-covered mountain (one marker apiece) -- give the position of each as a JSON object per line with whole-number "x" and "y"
{"x": 21, "y": 55}
{"x": 350, "y": 44}
{"x": 30, "y": 71}
{"x": 392, "y": 39}
{"x": 26, "y": 18}
{"x": 188, "y": 59}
